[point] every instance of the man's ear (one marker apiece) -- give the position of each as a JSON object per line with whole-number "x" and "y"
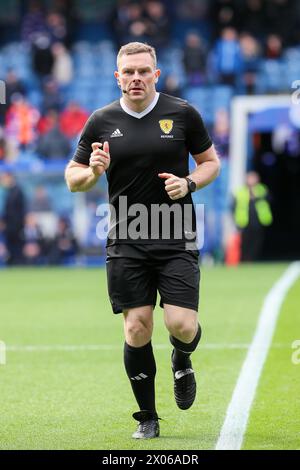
{"x": 157, "y": 75}
{"x": 117, "y": 76}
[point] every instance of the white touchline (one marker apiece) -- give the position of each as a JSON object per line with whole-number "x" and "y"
{"x": 111, "y": 347}
{"x": 234, "y": 426}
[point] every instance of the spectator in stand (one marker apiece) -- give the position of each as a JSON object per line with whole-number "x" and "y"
{"x": 62, "y": 71}
{"x": 57, "y": 28}
{"x": 273, "y": 49}
{"x": 194, "y": 59}
{"x": 46, "y": 122}
{"x": 64, "y": 245}
{"x": 40, "y": 201}
{"x": 281, "y": 19}
{"x": 252, "y": 215}
{"x": 42, "y": 57}
{"x": 73, "y": 119}
{"x": 12, "y": 85}
{"x": 52, "y": 97}
{"x": 2, "y": 145}
{"x": 13, "y": 218}
{"x": 227, "y": 57}
{"x": 223, "y": 14}
{"x": 220, "y": 133}
{"x": 33, "y": 241}
{"x": 3, "y": 250}
{"x": 252, "y": 18}
{"x": 54, "y": 145}
{"x": 158, "y": 25}
{"x": 129, "y": 22}
{"x": 172, "y": 86}
{"x": 33, "y": 22}
{"x": 191, "y": 9}
{"x": 250, "y": 52}
{"x": 21, "y": 122}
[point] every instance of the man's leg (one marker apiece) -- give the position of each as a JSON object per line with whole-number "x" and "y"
{"x": 140, "y": 367}
{"x": 185, "y": 334}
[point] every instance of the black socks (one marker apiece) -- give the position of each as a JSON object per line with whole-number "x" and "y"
{"x": 182, "y": 351}
{"x": 141, "y": 369}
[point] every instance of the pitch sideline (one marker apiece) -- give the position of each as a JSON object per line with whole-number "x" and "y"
{"x": 235, "y": 423}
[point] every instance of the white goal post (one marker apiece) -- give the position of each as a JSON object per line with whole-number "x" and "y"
{"x": 241, "y": 106}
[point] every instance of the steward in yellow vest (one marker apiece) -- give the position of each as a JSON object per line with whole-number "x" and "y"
{"x": 261, "y": 204}
{"x": 252, "y": 214}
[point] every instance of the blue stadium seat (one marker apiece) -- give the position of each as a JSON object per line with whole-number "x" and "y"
{"x": 270, "y": 76}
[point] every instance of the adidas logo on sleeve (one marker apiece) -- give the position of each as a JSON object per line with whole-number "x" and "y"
{"x": 117, "y": 133}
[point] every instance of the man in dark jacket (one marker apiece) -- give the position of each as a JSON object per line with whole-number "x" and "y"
{"x": 13, "y": 218}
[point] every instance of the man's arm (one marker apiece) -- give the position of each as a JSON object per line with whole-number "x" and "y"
{"x": 208, "y": 168}
{"x": 81, "y": 177}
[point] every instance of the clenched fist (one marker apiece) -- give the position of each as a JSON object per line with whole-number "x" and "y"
{"x": 100, "y": 159}
{"x": 175, "y": 187}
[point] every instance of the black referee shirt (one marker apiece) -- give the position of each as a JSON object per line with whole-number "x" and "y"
{"x": 140, "y": 148}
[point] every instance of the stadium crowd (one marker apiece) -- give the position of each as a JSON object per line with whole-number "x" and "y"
{"x": 238, "y": 36}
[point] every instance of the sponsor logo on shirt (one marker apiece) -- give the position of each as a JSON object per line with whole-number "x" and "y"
{"x": 166, "y": 126}
{"x": 117, "y": 133}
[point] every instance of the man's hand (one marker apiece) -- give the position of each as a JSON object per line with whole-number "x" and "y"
{"x": 100, "y": 159}
{"x": 176, "y": 187}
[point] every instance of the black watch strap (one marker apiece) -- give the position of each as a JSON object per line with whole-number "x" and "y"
{"x": 191, "y": 184}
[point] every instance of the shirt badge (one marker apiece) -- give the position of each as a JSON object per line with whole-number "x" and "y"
{"x": 166, "y": 125}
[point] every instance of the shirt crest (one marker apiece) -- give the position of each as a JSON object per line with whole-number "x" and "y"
{"x": 166, "y": 125}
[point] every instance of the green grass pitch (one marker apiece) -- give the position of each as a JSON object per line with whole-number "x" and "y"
{"x": 54, "y": 396}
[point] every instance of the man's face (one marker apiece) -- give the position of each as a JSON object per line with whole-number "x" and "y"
{"x": 252, "y": 179}
{"x": 6, "y": 180}
{"x": 137, "y": 75}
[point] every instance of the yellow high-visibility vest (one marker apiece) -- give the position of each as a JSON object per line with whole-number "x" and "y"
{"x": 262, "y": 206}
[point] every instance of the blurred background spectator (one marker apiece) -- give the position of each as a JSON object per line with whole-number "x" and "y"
{"x": 53, "y": 144}
{"x": 250, "y": 54}
{"x": 252, "y": 214}
{"x": 157, "y": 24}
{"x": 72, "y": 119}
{"x": 172, "y": 86}
{"x": 33, "y": 242}
{"x": 194, "y": 58}
{"x": 13, "y": 86}
{"x": 13, "y": 218}
{"x": 227, "y": 57}
{"x": 20, "y": 125}
{"x": 40, "y": 201}
{"x": 62, "y": 71}
{"x": 64, "y": 246}
{"x": 52, "y": 98}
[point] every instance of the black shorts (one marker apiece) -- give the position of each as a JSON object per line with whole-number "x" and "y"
{"x": 136, "y": 273}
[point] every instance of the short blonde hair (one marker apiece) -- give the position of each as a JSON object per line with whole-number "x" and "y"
{"x": 137, "y": 48}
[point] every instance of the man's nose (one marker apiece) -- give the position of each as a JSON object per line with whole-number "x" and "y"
{"x": 136, "y": 75}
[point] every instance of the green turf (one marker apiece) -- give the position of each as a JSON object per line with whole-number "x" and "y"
{"x": 82, "y": 399}
{"x": 275, "y": 418}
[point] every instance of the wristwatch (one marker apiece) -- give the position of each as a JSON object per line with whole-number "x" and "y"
{"x": 191, "y": 185}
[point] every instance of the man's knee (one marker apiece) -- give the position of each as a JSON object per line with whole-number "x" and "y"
{"x": 184, "y": 331}
{"x": 138, "y": 329}
{"x": 184, "y": 344}
{"x": 183, "y": 327}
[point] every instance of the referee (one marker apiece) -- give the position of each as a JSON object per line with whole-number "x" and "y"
{"x": 142, "y": 142}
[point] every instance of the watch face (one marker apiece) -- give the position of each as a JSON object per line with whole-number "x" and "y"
{"x": 192, "y": 186}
